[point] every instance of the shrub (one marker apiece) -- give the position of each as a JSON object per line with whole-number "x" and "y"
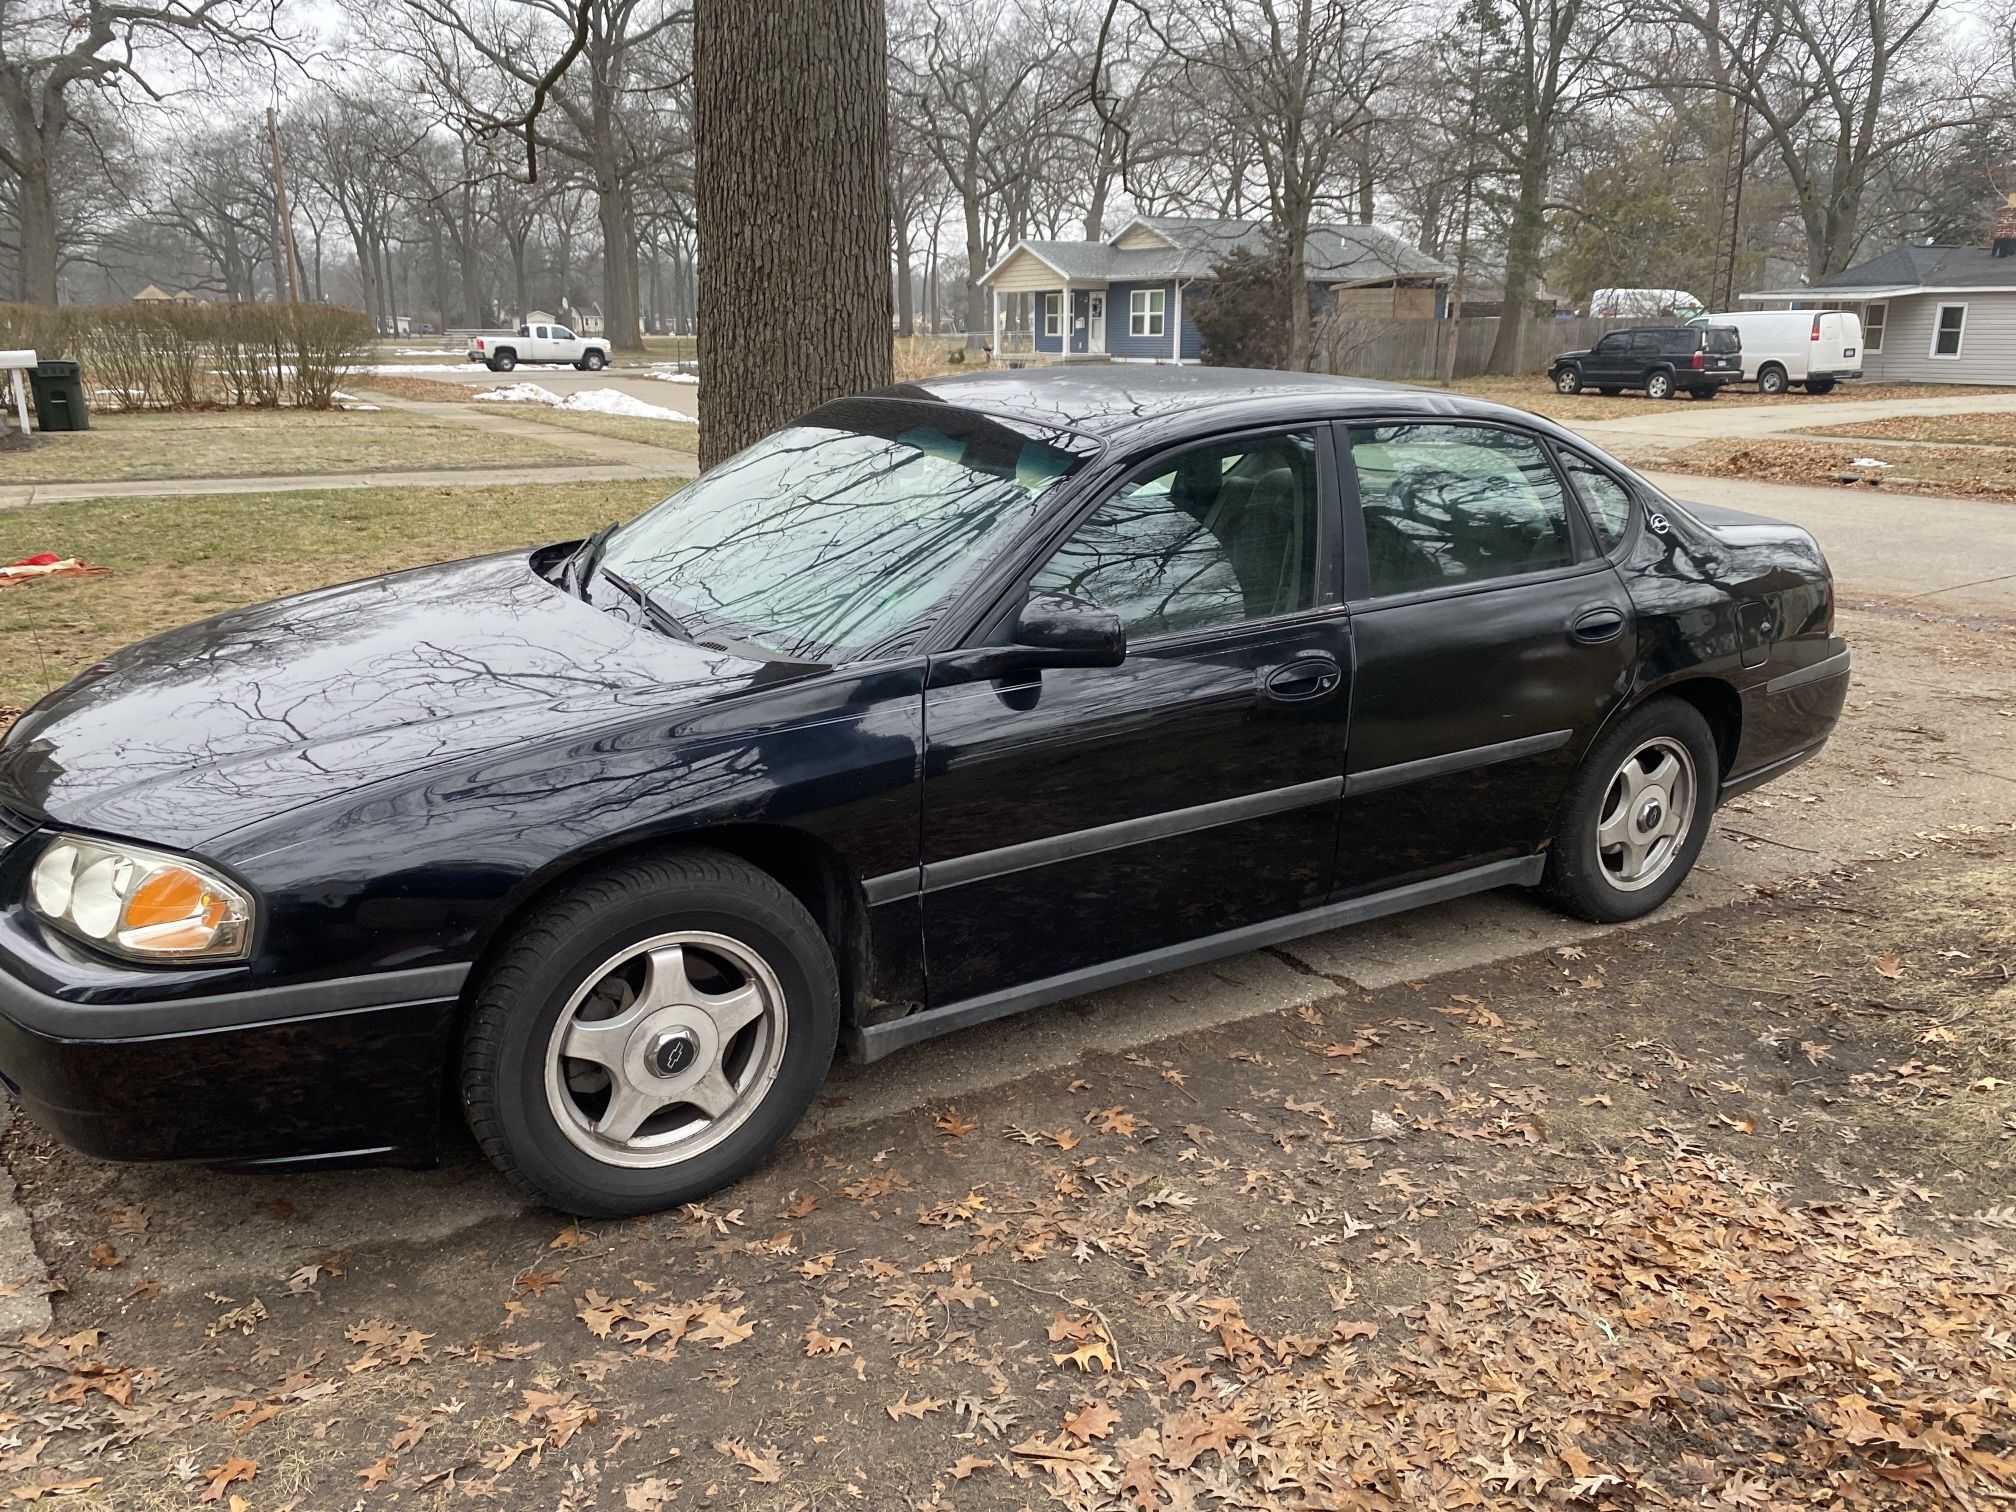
{"x": 1242, "y": 314}
{"x": 164, "y": 356}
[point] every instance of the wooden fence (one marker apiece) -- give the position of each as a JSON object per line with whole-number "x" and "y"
{"x": 1368, "y": 347}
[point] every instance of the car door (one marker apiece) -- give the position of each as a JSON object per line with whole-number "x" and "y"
{"x": 1086, "y": 815}
{"x": 1607, "y": 361}
{"x": 1491, "y": 640}
{"x": 566, "y": 345}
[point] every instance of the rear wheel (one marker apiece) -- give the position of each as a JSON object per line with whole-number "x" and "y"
{"x": 1771, "y": 379}
{"x": 1703, "y": 393}
{"x": 1819, "y": 385}
{"x": 1659, "y": 386}
{"x": 503, "y": 362}
{"x": 650, "y": 1034}
{"x": 1568, "y": 380}
{"x": 1637, "y": 814}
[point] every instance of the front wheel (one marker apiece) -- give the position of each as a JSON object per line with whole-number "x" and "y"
{"x": 1568, "y": 381}
{"x": 1659, "y": 386}
{"x": 591, "y": 362}
{"x": 650, "y": 1034}
{"x": 1636, "y": 815}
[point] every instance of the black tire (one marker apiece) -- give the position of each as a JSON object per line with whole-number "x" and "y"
{"x": 1771, "y": 380}
{"x": 591, "y": 362}
{"x": 1703, "y": 393}
{"x": 552, "y": 955}
{"x": 1818, "y": 386}
{"x": 503, "y": 362}
{"x": 1609, "y": 393}
{"x": 1578, "y": 878}
{"x": 1659, "y": 386}
{"x": 1568, "y": 380}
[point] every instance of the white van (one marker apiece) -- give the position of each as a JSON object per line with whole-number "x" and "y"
{"x": 1644, "y": 304}
{"x": 1782, "y": 347}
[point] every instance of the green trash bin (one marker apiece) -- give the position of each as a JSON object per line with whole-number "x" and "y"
{"x": 58, "y": 387}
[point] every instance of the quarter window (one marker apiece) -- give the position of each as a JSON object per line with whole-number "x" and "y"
{"x": 1053, "y": 314}
{"x": 1449, "y": 504}
{"x": 1145, "y": 309}
{"x": 1605, "y": 501}
{"x": 1218, "y": 535}
{"x": 1873, "y": 318}
{"x": 1947, "y": 330}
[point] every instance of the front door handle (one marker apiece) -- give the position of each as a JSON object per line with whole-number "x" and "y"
{"x": 1302, "y": 680}
{"x": 1594, "y": 626}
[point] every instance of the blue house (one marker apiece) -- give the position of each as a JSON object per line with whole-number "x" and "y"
{"x": 1122, "y": 299}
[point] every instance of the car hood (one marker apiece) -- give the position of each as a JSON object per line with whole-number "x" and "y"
{"x": 207, "y": 729}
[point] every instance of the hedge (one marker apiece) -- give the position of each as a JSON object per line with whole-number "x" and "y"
{"x": 165, "y": 356}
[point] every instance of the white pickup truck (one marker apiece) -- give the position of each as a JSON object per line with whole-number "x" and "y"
{"x": 538, "y": 343}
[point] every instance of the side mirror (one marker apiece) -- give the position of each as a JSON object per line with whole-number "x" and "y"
{"x": 1057, "y": 630}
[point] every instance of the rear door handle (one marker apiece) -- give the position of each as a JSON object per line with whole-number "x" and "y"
{"x": 1302, "y": 680}
{"x": 1594, "y": 626}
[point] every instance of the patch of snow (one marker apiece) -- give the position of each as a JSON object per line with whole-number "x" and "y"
{"x": 590, "y": 401}
{"x": 665, "y": 373}
{"x": 1868, "y": 462}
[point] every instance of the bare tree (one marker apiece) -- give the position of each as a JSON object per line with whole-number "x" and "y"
{"x": 52, "y": 52}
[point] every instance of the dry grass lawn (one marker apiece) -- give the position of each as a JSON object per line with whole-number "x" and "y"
{"x": 1533, "y": 392}
{"x": 1988, "y": 428}
{"x": 258, "y": 443}
{"x": 673, "y": 435}
{"x": 1954, "y": 471}
{"x": 176, "y": 560}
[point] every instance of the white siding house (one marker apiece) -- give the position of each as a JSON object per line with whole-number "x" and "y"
{"x": 1930, "y": 314}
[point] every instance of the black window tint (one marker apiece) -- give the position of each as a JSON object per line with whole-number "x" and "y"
{"x": 1605, "y": 500}
{"x": 1219, "y": 534}
{"x": 1615, "y": 342}
{"x": 1680, "y": 343}
{"x": 1724, "y": 339}
{"x": 1447, "y": 504}
{"x": 1644, "y": 343}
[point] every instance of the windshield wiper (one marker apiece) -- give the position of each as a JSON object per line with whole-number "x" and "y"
{"x": 586, "y": 556}
{"x": 656, "y": 613}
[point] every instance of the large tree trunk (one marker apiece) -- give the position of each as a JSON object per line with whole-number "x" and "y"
{"x": 619, "y": 270}
{"x": 35, "y": 270}
{"x": 1522, "y": 266}
{"x": 793, "y": 196}
{"x": 906, "y": 294}
{"x": 980, "y": 330}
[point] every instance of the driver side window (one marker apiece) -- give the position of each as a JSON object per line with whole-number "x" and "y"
{"x": 1449, "y": 504}
{"x": 1214, "y": 536}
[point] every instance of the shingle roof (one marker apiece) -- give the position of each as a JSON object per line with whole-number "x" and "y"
{"x": 1939, "y": 266}
{"x": 1334, "y": 254}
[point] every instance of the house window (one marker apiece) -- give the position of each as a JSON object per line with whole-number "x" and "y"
{"x": 1946, "y": 330}
{"x": 1873, "y": 317}
{"x": 1144, "y": 312}
{"x": 1053, "y": 314}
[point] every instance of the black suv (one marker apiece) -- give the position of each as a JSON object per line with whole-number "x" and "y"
{"x": 1658, "y": 359}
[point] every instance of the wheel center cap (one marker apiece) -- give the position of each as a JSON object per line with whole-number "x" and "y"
{"x": 673, "y": 1052}
{"x": 1650, "y": 815}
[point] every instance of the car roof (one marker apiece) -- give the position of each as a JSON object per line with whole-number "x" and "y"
{"x": 1112, "y": 401}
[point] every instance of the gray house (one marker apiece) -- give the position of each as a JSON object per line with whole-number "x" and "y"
{"x": 1122, "y": 299}
{"x": 1930, "y": 314}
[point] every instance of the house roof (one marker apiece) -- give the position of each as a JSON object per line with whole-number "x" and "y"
{"x": 1194, "y": 245}
{"x": 1936, "y": 269}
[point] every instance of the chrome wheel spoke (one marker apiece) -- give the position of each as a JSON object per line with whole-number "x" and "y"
{"x": 732, "y": 1011}
{"x": 1616, "y": 830}
{"x": 601, "y": 1040}
{"x": 666, "y": 980}
{"x": 713, "y": 1094}
{"x": 1664, "y": 773}
{"x": 629, "y": 1106}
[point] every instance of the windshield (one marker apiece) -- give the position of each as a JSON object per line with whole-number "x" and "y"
{"x": 833, "y": 535}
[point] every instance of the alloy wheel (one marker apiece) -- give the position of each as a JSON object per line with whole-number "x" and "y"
{"x": 1647, "y": 812}
{"x": 666, "y": 1049}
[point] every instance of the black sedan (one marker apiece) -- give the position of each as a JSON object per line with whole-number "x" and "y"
{"x": 941, "y": 703}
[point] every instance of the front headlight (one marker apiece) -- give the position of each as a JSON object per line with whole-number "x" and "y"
{"x": 139, "y": 903}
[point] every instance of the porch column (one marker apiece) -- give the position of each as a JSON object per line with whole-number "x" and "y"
{"x": 994, "y": 331}
{"x": 1176, "y": 326}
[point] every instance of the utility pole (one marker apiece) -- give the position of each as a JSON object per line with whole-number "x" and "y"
{"x": 281, "y": 212}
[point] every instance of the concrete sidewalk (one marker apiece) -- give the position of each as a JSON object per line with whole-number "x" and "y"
{"x": 1685, "y": 422}
{"x": 675, "y": 466}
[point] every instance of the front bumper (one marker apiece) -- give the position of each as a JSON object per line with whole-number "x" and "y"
{"x": 344, "y": 1070}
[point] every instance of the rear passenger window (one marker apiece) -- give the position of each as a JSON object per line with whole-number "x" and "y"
{"x": 1605, "y": 500}
{"x": 1446, "y": 504}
